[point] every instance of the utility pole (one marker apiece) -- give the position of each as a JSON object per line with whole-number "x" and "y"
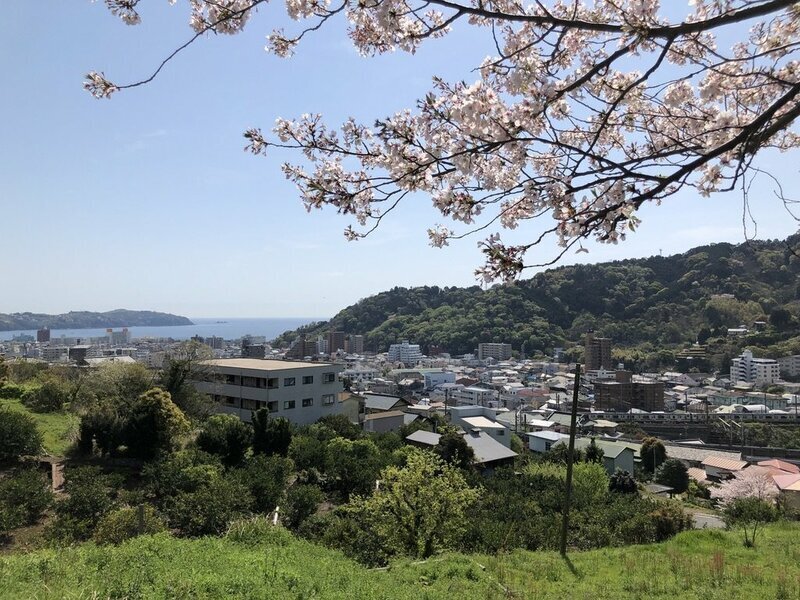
{"x": 568, "y": 491}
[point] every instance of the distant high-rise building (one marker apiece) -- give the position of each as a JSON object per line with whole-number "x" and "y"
{"x": 118, "y": 338}
{"x": 216, "y": 343}
{"x": 301, "y": 348}
{"x": 597, "y": 353}
{"x": 494, "y": 350}
{"x": 43, "y": 335}
{"x": 354, "y": 344}
{"x": 335, "y": 341}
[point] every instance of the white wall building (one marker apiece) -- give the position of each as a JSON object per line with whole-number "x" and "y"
{"x": 759, "y": 371}
{"x": 408, "y": 354}
{"x": 301, "y": 392}
{"x": 433, "y": 379}
{"x": 473, "y": 395}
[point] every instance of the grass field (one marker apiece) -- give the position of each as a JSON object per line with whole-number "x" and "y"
{"x": 57, "y": 428}
{"x": 697, "y": 565}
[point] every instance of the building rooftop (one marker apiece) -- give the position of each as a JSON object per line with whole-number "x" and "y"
{"x": 723, "y": 463}
{"x": 386, "y": 415}
{"x": 483, "y": 423}
{"x": 262, "y": 364}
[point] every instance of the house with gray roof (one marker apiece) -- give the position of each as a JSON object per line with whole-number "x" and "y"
{"x": 489, "y": 453}
{"x": 615, "y": 456}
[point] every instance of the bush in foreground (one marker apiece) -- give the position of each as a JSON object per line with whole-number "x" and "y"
{"x": 126, "y": 523}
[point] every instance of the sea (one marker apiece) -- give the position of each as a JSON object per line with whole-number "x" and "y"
{"x": 224, "y": 327}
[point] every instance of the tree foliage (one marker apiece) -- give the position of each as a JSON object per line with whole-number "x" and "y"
{"x": 270, "y": 435}
{"x": 674, "y": 474}
{"x": 419, "y": 508}
{"x": 750, "y": 514}
{"x": 653, "y": 453}
{"x": 227, "y": 436}
{"x": 154, "y": 424}
{"x": 453, "y": 449}
{"x": 584, "y": 113}
{"x": 19, "y": 435}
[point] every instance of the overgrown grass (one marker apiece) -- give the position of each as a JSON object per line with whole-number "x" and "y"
{"x": 57, "y": 428}
{"x": 271, "y": 563}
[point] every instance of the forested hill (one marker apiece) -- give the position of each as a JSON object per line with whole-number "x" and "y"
{"x": 663, "y": 301}
{"x": 89, "y": 320}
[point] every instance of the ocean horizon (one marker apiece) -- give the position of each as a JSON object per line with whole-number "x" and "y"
{"x": 229, "y": 328}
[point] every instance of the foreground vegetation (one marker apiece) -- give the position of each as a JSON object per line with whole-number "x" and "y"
{"x": 257, "y": 561}
{"x": 59, "y": 429}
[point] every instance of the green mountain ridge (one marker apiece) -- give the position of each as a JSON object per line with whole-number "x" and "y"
{"x": 89, "y": 320}
{"x": 648, "y": 302}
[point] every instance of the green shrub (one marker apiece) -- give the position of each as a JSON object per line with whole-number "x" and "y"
{"x": 50, "y": 396}
{"x": 125, "y": 523}
{"x": 27, "y": 492}
{"x": 210, "y": 508}
{"x": 622, "y": 482}
{"x": 226, "y": 436}
{"x": 11, "y": 390}
{"x": 257, "y": 530}
{"x": 301, "y": 502}
{"x": 749, "y": 514}
{"x": 266, "y": 478}
{"x": 19, "y": 435}
{"x": 89, "y": 496}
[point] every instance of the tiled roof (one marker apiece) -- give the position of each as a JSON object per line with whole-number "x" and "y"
{"x": 724, "y": 463}
{"x": 779, "y": 464}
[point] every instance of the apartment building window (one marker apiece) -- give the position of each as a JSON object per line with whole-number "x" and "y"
{"x": 272, "y": 406}
{"x": 261, "y": 404}
{"x": 308, "y": 402}
{"x": 308, "y": 379}
{"x": 328, "y": 377}
{"x": 248, "y": 404}
{"x": 272, "y": 383}
{"x": 288, "y": 404}
{"x": 288, "y": 381}
{"x": 328, "y": 399}
{"x": 231, "y": 379}
{"x": 231, "y": 401}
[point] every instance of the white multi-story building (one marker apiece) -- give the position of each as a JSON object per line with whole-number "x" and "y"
{"x": 494, "y": 350}
{"x": 436, "y": 378}
{"x": 408, "y": 354}
{"x": 473, "y": 395}
{"x": 790, "y": 365}
{"x": 759, "y": 371}
{"x": 302, "y": 392}
{"x": 360, "y": 374}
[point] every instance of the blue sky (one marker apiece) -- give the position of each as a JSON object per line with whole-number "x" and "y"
{"x": 148, "y": 201}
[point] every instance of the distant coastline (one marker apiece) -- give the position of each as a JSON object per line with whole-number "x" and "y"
{"x": 228, "y": 328}
{"x": 91, "y": 320}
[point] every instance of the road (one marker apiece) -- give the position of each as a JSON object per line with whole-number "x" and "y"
{"x": 704, "y": 520}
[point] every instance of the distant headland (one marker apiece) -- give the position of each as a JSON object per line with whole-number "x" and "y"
{"x": 90, "y": 320}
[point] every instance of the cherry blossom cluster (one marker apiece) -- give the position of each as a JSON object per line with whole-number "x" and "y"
{"x": 584, "y": 112}
{"x": 753, "y": 482}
